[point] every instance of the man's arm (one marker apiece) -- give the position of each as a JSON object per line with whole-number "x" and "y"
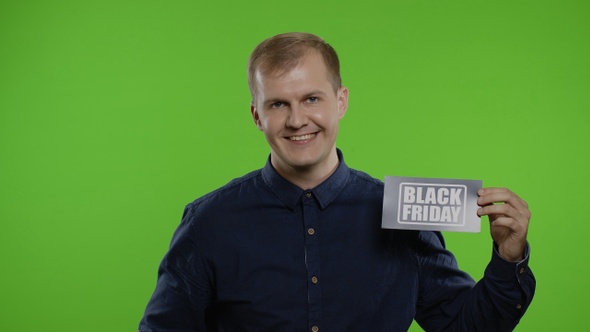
{"x": 448, "y": 301}
{"x": 182, "y": 291}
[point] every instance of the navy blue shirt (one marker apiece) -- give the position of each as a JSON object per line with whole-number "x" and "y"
{"x": 261, "y": 254}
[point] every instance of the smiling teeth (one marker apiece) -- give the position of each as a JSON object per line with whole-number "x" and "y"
{"x": 301, "y": 138}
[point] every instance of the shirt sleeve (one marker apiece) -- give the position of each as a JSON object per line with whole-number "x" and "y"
{"x": 449, "y": 300}
{"x": 182, "y": 291}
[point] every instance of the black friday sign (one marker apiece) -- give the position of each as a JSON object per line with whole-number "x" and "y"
{"x": 431, "y": 204}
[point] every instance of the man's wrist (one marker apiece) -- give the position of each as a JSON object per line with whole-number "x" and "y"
{"x": 508, "y": 255}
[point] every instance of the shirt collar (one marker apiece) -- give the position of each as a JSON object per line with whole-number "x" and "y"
{"x": 290, "y": 194}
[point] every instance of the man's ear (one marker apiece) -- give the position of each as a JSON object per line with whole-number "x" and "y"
{"x": 342, "y": 101}
{"x": 255, "y": 116}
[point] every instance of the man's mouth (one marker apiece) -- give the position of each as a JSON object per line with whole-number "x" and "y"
{"x": 302, "y": 137}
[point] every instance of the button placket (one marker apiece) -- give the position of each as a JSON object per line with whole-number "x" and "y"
{"x": 310, "y": 225}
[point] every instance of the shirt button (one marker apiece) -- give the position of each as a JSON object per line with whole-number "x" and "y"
{"x": 308, "y": 195}
{"x": 521, "y": 270}
{"x": 314, "y": 280}
{"x": 518, "y": 306}
{"x": 315, "y": 329}
{"x": 311, "y": 231}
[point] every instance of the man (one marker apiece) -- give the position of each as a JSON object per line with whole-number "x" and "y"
{"x": 297, "y": 245}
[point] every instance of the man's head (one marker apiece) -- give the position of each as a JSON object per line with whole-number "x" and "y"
{"x": 283, "y": 52}
{"x": 298, "y": 103}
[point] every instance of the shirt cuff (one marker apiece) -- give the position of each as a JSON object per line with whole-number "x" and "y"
{"x": 506, "y": 270}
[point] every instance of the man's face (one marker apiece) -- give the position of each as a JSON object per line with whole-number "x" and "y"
{"x": 298, "y": 111}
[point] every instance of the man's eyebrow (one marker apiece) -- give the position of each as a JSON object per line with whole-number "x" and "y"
{"x": 272, "y": 101}
{"x": 306, "y": 95}
{"x": 314, "y": 93}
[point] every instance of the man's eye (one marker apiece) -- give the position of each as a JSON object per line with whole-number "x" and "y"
{"x": 312, "y": 99}
{"x": 278, "y": 104}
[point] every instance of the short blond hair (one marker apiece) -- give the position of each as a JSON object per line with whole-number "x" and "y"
{"x": 281, "y": 53}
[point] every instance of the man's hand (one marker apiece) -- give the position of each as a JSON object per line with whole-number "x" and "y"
{"x": 509, "y": 220}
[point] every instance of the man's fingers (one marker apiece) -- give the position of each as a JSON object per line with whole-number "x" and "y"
{"x": 510, "y": 223}
{"x": 498, "y": 209}
{"x": 489, "y": 196}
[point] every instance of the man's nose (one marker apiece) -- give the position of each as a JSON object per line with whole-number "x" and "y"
{"x": 297, "y": 117}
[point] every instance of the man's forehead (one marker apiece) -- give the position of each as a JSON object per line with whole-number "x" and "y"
{"x": 309, "y": 73}
{"x": 273, "y": 87}
{"x": 276, "y": 72}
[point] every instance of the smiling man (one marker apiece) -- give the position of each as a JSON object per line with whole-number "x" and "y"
{"x": 298, "y": 245}
{"x": 298, "y": 110}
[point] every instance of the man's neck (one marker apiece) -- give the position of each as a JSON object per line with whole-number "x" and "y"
{"x": 306, "y": 177}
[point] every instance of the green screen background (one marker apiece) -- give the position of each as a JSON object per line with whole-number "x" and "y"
{"x": 115, "y": 114}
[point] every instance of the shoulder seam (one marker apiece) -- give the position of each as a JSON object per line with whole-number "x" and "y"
{"x": 365, "y": 177}
{"x": 231, "y": 184}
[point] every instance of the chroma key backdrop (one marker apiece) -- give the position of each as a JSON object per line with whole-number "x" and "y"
{"x": 115, "y": 114}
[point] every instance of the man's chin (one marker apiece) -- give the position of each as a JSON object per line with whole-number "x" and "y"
{"x": 302, "y": 164}
{"x": 299, "y": 163}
